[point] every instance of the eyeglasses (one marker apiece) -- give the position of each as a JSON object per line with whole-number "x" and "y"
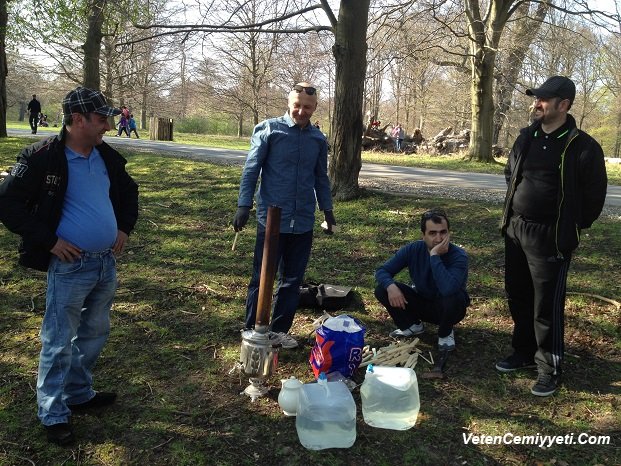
{"x": 309, "y": 90}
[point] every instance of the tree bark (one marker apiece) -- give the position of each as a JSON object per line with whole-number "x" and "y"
{"x": 484, "y": 37}
{"x": 482, "y": 106}
{"x": 92, "y": 45}
{"x": 350, "y": 48}
{"x": 4, "y": 70}
{"x": 525, "y": 33}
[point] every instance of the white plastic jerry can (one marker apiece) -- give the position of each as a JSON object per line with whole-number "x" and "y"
{"x": 390, "y": 397}
{"x": 326, "y": 415}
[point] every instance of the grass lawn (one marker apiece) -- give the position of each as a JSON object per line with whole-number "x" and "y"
{"x": 175, "y": 338}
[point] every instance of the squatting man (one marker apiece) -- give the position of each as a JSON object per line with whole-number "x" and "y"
{"x": 438, "y": 271}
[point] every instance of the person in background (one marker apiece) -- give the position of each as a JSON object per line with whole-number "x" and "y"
{"x": 34, "y": 107}
{"x": 556, "y": 178}
{"x": 123, "y": 126}
{"x": 437, "y": 293}
{"x": 74, "y": 205}
{"x": 290, "y": 156}
{"x": 132, "y": 127}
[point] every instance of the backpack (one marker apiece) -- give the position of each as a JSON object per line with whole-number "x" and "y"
{"x": 325, "y": 296}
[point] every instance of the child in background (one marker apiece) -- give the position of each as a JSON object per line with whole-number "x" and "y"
{"x": 132, "y": 127}
{"x": 123, "y": 126}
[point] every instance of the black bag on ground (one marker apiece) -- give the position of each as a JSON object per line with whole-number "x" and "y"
{"x": 325, "y": 296}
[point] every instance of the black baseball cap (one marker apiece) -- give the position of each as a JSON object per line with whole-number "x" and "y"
{"x": 85, "y": 100}
{"x": 556, "y": 86}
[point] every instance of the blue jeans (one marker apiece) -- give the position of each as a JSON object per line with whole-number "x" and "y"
{"x": 293, "y": 254}
{"x": 75, "y": 328}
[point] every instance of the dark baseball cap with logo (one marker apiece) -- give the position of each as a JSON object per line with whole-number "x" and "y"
{"x": 85, "y": 100}
{"x": 556, "y": 86}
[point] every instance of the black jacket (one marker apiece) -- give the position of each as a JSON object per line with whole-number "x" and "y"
{"x": 582, "y": 186}
{"x": 32, "y": 197}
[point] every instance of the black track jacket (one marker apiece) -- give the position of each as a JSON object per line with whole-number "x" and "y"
{"x": 582, "y": 187}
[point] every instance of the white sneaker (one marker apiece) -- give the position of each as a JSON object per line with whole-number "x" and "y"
{"x": 447, "y": 343}
{"x": 414, "y": 329}
{"x": 284, "y": 339}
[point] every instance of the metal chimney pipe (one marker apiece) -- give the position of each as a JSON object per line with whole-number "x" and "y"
{"x": 268, "y": 269}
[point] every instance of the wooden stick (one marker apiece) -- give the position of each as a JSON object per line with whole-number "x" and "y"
{"x": 235, "y": 241}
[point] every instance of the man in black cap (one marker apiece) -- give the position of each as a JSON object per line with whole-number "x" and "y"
{"x": 556, "y": 179}
{"x": 73, "y": 203}
{"x": 34, "y": 107}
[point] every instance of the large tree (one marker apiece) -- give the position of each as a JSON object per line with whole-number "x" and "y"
{"x": 485, "y": 23}
{"x": 349, "y": 50}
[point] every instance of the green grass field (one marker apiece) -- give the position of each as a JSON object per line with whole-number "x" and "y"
{"x": 175, "y": 339}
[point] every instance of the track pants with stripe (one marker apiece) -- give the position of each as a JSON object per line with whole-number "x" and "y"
{"x": 535, "y": 283}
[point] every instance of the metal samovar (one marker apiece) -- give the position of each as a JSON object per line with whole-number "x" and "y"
{"x": 259, "y": 355}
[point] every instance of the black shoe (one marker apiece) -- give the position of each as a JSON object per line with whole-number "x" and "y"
{"x": 546, "y": 385}
{"x": 515, "y": 362}
{"x": 60, "y": 434}
{"x": 99, "y": 400}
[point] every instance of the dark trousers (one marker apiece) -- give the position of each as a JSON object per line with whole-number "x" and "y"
{"x": 535, "y": 283}
{"x": 33, "y": 120}
{"x": 293, "y": 254}
{"x": 444, "y": 311}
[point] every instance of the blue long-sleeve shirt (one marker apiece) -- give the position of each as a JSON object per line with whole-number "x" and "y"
{"x": 432, "y": 276}
{"x": 293, "y": 165}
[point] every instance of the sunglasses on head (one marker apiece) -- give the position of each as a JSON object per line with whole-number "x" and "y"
{"x": 308, "y": 90}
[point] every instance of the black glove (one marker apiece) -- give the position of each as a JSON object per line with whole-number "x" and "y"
{"x": 241, "y": 218}
{"x": 330, "y": 220}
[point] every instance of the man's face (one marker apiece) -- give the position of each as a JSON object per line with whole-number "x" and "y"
{"x": 301, "y": 107}
{"x": 435, "y": 233}
{"x": 549, "y": 110}
{"x": 91, "y": 127}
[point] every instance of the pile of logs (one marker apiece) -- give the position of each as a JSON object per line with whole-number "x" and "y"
{"x": 447, "y": 142}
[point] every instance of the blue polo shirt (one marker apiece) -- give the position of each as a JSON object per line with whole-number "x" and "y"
{"x": 88, "y": 219}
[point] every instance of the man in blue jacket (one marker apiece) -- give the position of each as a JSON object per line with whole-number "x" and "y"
{"x": 437, "y": 294}
{"x": 291, "y": 157}
{"x": 74, "y": 205}
{"x": 556, "y": 177}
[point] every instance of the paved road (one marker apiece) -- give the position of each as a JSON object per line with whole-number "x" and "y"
{"x": 369, "y": 170}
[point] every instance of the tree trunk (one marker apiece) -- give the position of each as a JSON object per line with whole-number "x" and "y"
{"x": 350, "y": 48}
{"x": 4, "y": 69}
{"x": 482, "y": 105}
{"x": 525, "y": 33}
{"x": 92, "y": 45}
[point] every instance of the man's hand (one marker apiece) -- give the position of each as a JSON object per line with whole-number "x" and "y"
{"x": 65, "y": 251}
{"x": 396, "y": 297}
{"x": 119, "y": 244}
{"x": 330, "y": 221}
{"x": 441, "y": 248}
{"x": 241, "y": 218}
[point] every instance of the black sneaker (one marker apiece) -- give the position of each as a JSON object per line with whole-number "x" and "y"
{"x": 60, "y": 434}
{"x": 515, "y": 362}
{"x": 99, "y": 400}
{"x": 546, "y": 385}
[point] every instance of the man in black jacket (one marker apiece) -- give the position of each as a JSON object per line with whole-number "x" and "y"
{"x": 73, "y": 204}
{"x": 34, "y": 107}
{"x": 556, "y": 179}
